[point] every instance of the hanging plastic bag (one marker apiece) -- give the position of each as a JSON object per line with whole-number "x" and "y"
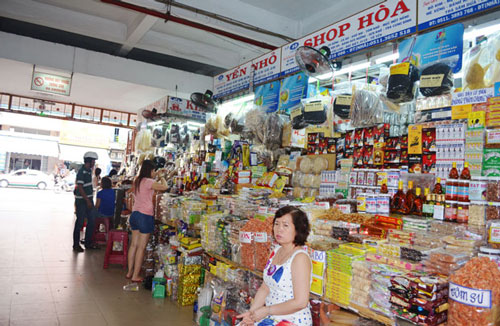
{"x": 437, "y": 77}
{"x": 478, "y": 62}
{"x": 272, "y": 131}
{"x": 143, "y": 140}
{"x": 400, "y": 87}
{"x": 366, "y": 109}
{"x": 297, "y": 117}
{"x": 315, "y": 112}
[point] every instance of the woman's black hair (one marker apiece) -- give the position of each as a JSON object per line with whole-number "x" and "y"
{"x": 146, "y": 170}
{"x": 106, "y": 183}
{"x": 300, "y": 221}
{"x": 97, "y": 172}
{"x": 112, "y": 173}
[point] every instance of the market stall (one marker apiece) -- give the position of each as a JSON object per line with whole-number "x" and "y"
{"x": 395, "y": 161}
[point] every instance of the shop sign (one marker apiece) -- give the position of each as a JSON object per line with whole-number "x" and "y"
{"x": 443, "y": 45}
{"x": 471, "y": 297}
{"x": 471, "y": 97}
{"x": 185, "y": 108}
{"x": 433, "y": 12}
{"x": 51, "y": 83}
{"x": 233, "y": 80}
{"x": 266, "y": 67}
{"x": 267, "y": 96}
{"x": 382, "y": 23}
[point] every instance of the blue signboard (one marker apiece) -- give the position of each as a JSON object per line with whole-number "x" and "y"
{"x": 267, "y": 96}
{"x": 293, "y": 89}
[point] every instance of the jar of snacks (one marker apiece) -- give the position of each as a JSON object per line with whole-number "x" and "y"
{"x": 450, "y": 211}
{"x": 492, "y": 211}
{"x": 463, "y": 212}
{"x": 493, "y": 190}
{"x": 477, "y": 213}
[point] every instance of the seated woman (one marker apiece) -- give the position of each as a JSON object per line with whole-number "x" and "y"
{"x": 105, "y": 203}
{"x": 284, "y": 294}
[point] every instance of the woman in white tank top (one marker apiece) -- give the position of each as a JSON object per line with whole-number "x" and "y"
{"x": 284, "y": 296}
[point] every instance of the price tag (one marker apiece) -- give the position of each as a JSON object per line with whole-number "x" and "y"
{"x": 295, "y": 113}
{"x": 431, "y": 80}
{"x": 261, "y": 237}
{"x": 262, "y": 210}
{"x": 343, "y": 100}
{"x": 470, "y": 297}
{"x": 400, "y": 69}
{"x": 245, "y": 237}
{"x": 313, "y": 107}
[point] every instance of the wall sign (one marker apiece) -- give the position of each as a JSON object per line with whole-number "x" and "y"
{"x": 233, "y": 80}
{"x": 51, "y": 83}
{"x": 432, "y": 13}
{"x": 471, "y": 97}
{"x": 385, "y": 22}
{"x": 267, "y": 67}
{"x": 293, "y": 89}
{"x": 267, "y": 96}
{"x": 185, "y": 108}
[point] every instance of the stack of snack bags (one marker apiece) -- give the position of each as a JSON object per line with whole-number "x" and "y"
{"x": 380, "y": 294}
{"x": 420, "y": 299}
{"x": 361, "y": 283}
{"x": 339, "y": 275}
{"x": 189, "y": 281}
{"x": 445, "y": 262}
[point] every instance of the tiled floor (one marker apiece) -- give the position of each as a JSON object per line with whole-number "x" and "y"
{"x": 42, "y": 282}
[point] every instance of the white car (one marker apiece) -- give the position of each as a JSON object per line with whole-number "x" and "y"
{"x": 25, "y": 178}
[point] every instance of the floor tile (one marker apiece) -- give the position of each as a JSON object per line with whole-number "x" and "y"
{"x": 28, "y": 311}
{"x": 85, "y": 319}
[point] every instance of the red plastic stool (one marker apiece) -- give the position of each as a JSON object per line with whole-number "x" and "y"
{"x": 116, "y": 257}
{"x": 101, "y": 237}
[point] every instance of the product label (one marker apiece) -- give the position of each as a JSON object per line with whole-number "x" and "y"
{"x": 439, "y": 212}
{"x": 431, "y": 80}
{"x": 260, "y": 237}
{"x": 371, "y": 205}
{"x": 246, "y": 237}
{"x": 428, "y": 209}
{"x": 470, "y": 297}
{"x": 494, "y": 233}
{"x": 313, "y": 107}
{"x": 344, "y": 208}
{"x": 295, "y": 113}
{"x": 400, "y": 69}
{"x": 343, "y": 100}
{"x": 383, "y": 206}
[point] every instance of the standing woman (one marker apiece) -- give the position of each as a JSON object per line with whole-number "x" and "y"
{"x": 141, "y": 220}
{"x": 284, "y": 294}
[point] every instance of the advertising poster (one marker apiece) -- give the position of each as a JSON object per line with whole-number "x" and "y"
{"x": 293, "y": 89}
{"x": 267, "y": 96}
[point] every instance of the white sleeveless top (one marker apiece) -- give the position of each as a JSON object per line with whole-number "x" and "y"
{"x": 279, "y": 280}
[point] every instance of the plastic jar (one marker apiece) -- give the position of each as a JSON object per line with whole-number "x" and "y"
{"x": 492, "y": 211}
{"x": 451, "y": 189}
{"x": 383, "y": 203}
{"x": 492, "y": 190}
{"x": 477, "y": 188}
{"x": 371, "y": 204}
{"x": 371, "y": 177}
{"x": 463, "y": 190}
{"x": 361, "y": 180}
{"x": 361, "y": 203}
{"x": 463, "y": 212}
{"x": 477, "y": 213}
{"x": 450, "y": 211}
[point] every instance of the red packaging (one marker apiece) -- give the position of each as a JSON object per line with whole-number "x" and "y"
{"x": 428, "y": 162}
{"x": 358, "y": 138}
{"x": 404, "y": 141}
{"x": 349, "y": 140}
{"x": 368, "y": 155}
{"x": 404, "y": 156}
{"x": 368, "y": 136}
{"x": 357, "y": 156}
{"x": 428, "y": 139}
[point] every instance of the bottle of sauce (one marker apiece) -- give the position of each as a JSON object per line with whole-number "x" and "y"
{"x": 439, "y": 208}
{"x": 428, "y": 209}
{"x": 204, "y": 181}
{"x": 399, "y": 199}
{"x": 438, "y": 189}
{"x": 418, "y": 203}
{"x": 463, "y": 184}
{"x": 452, "y": 184}
{"x": 383, "y": 187}
{"x": 410, "y": 197}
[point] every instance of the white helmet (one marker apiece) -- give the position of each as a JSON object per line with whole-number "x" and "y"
{"x": 92, "y": 155}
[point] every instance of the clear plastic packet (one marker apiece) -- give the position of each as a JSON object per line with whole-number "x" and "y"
{"x": 477, "y": 62}
{"x": 401, "y": 84}
{"x": 273, "y": 127}
{"x": 436, "y": 78}
{"x": 366, "y": 109}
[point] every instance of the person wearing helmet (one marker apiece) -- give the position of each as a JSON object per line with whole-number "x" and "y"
{"x": 84, "y": 203}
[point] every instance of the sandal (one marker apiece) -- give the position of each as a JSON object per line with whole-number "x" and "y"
{"x": 128, "y": 277}
{"x": 137, "y": 281}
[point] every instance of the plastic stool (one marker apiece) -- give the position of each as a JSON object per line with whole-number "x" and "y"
{"x": 116, "y": 257}
{"x": 101, "y": 237}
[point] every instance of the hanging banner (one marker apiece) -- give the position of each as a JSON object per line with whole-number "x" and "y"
{"x": 293, "y": 89}
{"x": 51, "y": 83}
{"x": 390, "y": 20}
{"x": 267, "y": 96}
{"x": 185, "y": 109}
{"x": 432, "y": 12}
{"x": 267, "y": 67}
{"x": 233, "y": 80}
{"x": 444, "y": 45}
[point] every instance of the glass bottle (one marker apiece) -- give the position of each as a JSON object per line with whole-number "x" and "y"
{"x": 465, "y": 175}
{"x": 453, "y": 172}
{"x": 410, "y": 197}
{"x": 399, "y": 199}
{"x": 204, "y": 181}
{"x": 438, "y": 189}
{"x": 439, "y": 208}
{"x": 417, "y": 203}
{"x": 383, "y": 187}
{"x": 428, "y": 206}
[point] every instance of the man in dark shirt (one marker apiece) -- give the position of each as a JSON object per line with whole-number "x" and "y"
{"x": 84, "y": 204}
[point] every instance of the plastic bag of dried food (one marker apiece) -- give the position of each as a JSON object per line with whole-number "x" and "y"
{"x": 437, "y": 78}
{"x": 254, "y": 120}
{"x": 315, "y": 112}
{"x": 400, "y": 87}
{"x": 297, "y": 117}
{"x": 366, "y": 109}
{"x": 143, "y": 140}
{"x": 342, "y": 105}
{"x": 478, "y": 61}
{"x": 273, "y": 128}
{"x": 474, "y": 295}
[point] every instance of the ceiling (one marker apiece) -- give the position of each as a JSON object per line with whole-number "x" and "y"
{"x": 110, "y": 28}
